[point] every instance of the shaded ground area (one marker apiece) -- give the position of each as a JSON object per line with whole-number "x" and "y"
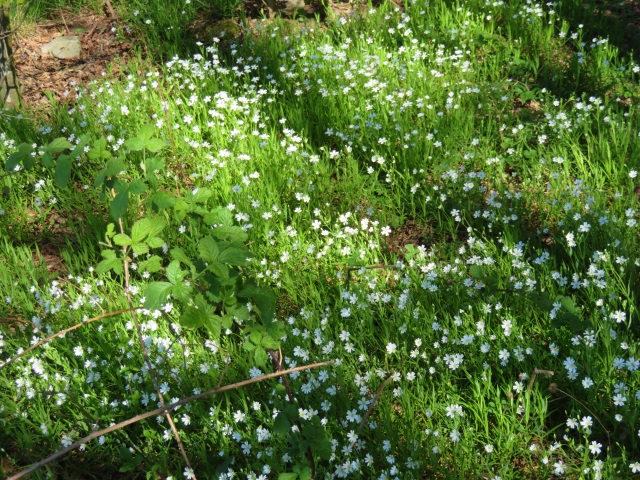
{"x": 103, "y": 41}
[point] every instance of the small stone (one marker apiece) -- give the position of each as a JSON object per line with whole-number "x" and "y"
{"x": 64, "y": 47}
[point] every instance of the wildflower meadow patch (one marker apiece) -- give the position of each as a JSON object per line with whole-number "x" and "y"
{"x": 401, "y": 244}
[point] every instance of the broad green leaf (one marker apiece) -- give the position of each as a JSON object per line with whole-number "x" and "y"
{"x": 108, "y": 264}
{"x": 281, "y": 425}
{"x": 323, "y": 448}
{"x": 154, "y": 264}
{"x": 63, "y": 171}
{"x": 231, "y": 233}
{"x": 260, "y": 357}
{"x": 15, "y": 158}
{"x": 275, "y": 330}
{"x": 137, "y": 187}
{"x": 173, "y": 272}
{"x": 146, "y": 132}
{"x": 155, "y": 242}
{"x": 46, "y": 159}
{"x": 178, "y": 254}
{"x": 241, "y": 312}
{"x": 202, "y": 195}
{"x": 162, "y": 199}
{"x": 58, "y": 145}
{"x": 193, "y": 318}
{"x": 140, "y": 248}
{"x": 120, "y": 204}
{"x": 154, "y": 144}
{"x": 156, "y": 293}
{"x": 114, "y": 167}
{"x": 122, "y": 239}
{"x": 262, "y": 297}
{"x": 154, "y": 163}
{"x": 181, "y": 292}
{"x": 214, "y": 326}
{"x": 135, "y": 144}
{"x": 140, "y": 230}
{"x": 287, "y": 476}
{"x": 220, "y": 270}
{"x": 235, "y": 254}
{"x": 208, "y": 249}
{"x": 219, "y": 216}
{"x": 99, "y": 150}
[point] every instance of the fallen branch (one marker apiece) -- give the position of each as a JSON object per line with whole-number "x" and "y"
{"x": 159, "y": 411}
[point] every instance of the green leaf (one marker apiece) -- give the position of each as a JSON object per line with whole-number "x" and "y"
{"x": 264, "y": 298}
{"x": 174, "y": 274}
{"x": 140, "y": 230}
{"x": 122, "y": 239}
{"x": 134, "y": 144}
{"x": 146, "y": 132}
{"x": 220, "y": 270}
{"x": 202, "y": 195}
{"x": 214, "y": 326}
{"x": 156, "y": 293}
{"x": 120, "y": 204}
{"x": 288, "y": 476}
{"x": 178, "y": 254}
{"x": 107, "y": 265}
{"x": 154, "y": 264}
{"x": 15, "y": 158}
{"x": 162, "y": 199}
{"x": 58, "y": 145}
{"x": 193, "y": 318}
{"x": 208, "y": 249}
{"x": 154, "y": 163}
{"x": 63, "y": 171}
{"x": 231, "y": 233}
{"x": 304, "y": 472}
{"x": 155, "y": 242}
{"x": 235, "y": 254}
{"x": 181, "y": 292}
{"x": 154, "y": 145}
{"x": 323, "y": 448}
{"x": 114, "y": 167}
{"x": 219, "y": 216}
{"x": 137, "y": 187}
{"x": 99, "y": 150}
{"x": 140, "y": 248}
{"x": 281, "y": 425}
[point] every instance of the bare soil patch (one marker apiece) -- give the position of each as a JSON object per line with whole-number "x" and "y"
{"x": 43, "y": 76}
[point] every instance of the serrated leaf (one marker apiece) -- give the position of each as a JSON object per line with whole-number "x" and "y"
{"x": 146, "y": 132}
{"x": 174, "y": 274}
{"x": 154, "y": 144}
{"x": 140, "y": 248}
{"x": 262, "y": 297}
{"x": 155, "y": 242}
{"x": 140, "y": 230}
{"x": 288, "y": 476}
{"x": 214, "y": 326}
{"x": 208, "y": 249}
{"x": 178, "y": 254}
{"x": 137, "y": 187}
{"x": 106, "y": 265}
{"x": 281, "y": 425}
{"x": 231, "y": 233}
{"x": 99, "y": 150}
{"x": 241, "y": 312}
{"x": 219, "y": 269}
{"x": 219, "y": 216}
{"x": 235, "y": 254}
{"x": 202, "y": 195}
{"x": 260, "y": 357}
{"x": 153, "y": 164}
{"x": 193, "y": 318}
{"x": 63, "y": 171}
{"x": 114, "y": 167}
{"x": 162, "y": 199}
{"x": 181, "y": 292}
{"x": 134, "y": 144}
{"x": 323, "y": 448}
{"x": 152, "y": 265}
{"x": 122, "y": 239}
{"x": 156, "y": 293}
{"x": 58, "y": 145}
{"x": 119, "y": 205}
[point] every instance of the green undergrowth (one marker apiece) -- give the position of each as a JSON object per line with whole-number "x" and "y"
{"x": 439, "y": 198}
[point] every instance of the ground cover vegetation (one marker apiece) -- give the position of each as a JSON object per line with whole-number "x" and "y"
{"x": 437, "y": 202}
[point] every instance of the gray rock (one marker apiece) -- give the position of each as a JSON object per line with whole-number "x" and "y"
{"x": 64, "y": 47}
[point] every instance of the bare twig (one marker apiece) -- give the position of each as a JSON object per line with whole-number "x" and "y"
{"x": 538, "y": 372}
{"x": 63, "y": 332}
{"x": 160, "y": 411}
{"x": 374, "y": 401}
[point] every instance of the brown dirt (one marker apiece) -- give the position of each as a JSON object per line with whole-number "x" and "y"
{"x": 42, "y": 75}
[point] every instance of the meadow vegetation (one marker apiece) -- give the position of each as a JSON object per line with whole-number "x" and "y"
{"x": 436, "y": 201}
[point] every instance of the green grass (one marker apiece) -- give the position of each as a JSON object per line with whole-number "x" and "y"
{"x": 442, "y": 196}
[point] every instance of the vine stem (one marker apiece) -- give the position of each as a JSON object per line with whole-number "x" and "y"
{"x": 65, "y": 331}
{"x": 159, "y": 411}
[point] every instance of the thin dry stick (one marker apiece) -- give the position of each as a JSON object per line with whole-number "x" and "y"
{"x": 374, "y": 401}
{"x": 145, "y": 354}
{"x": 66, "y": 330}
{"x": 159, "y": 411}
{"x": 537, "y": 371}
